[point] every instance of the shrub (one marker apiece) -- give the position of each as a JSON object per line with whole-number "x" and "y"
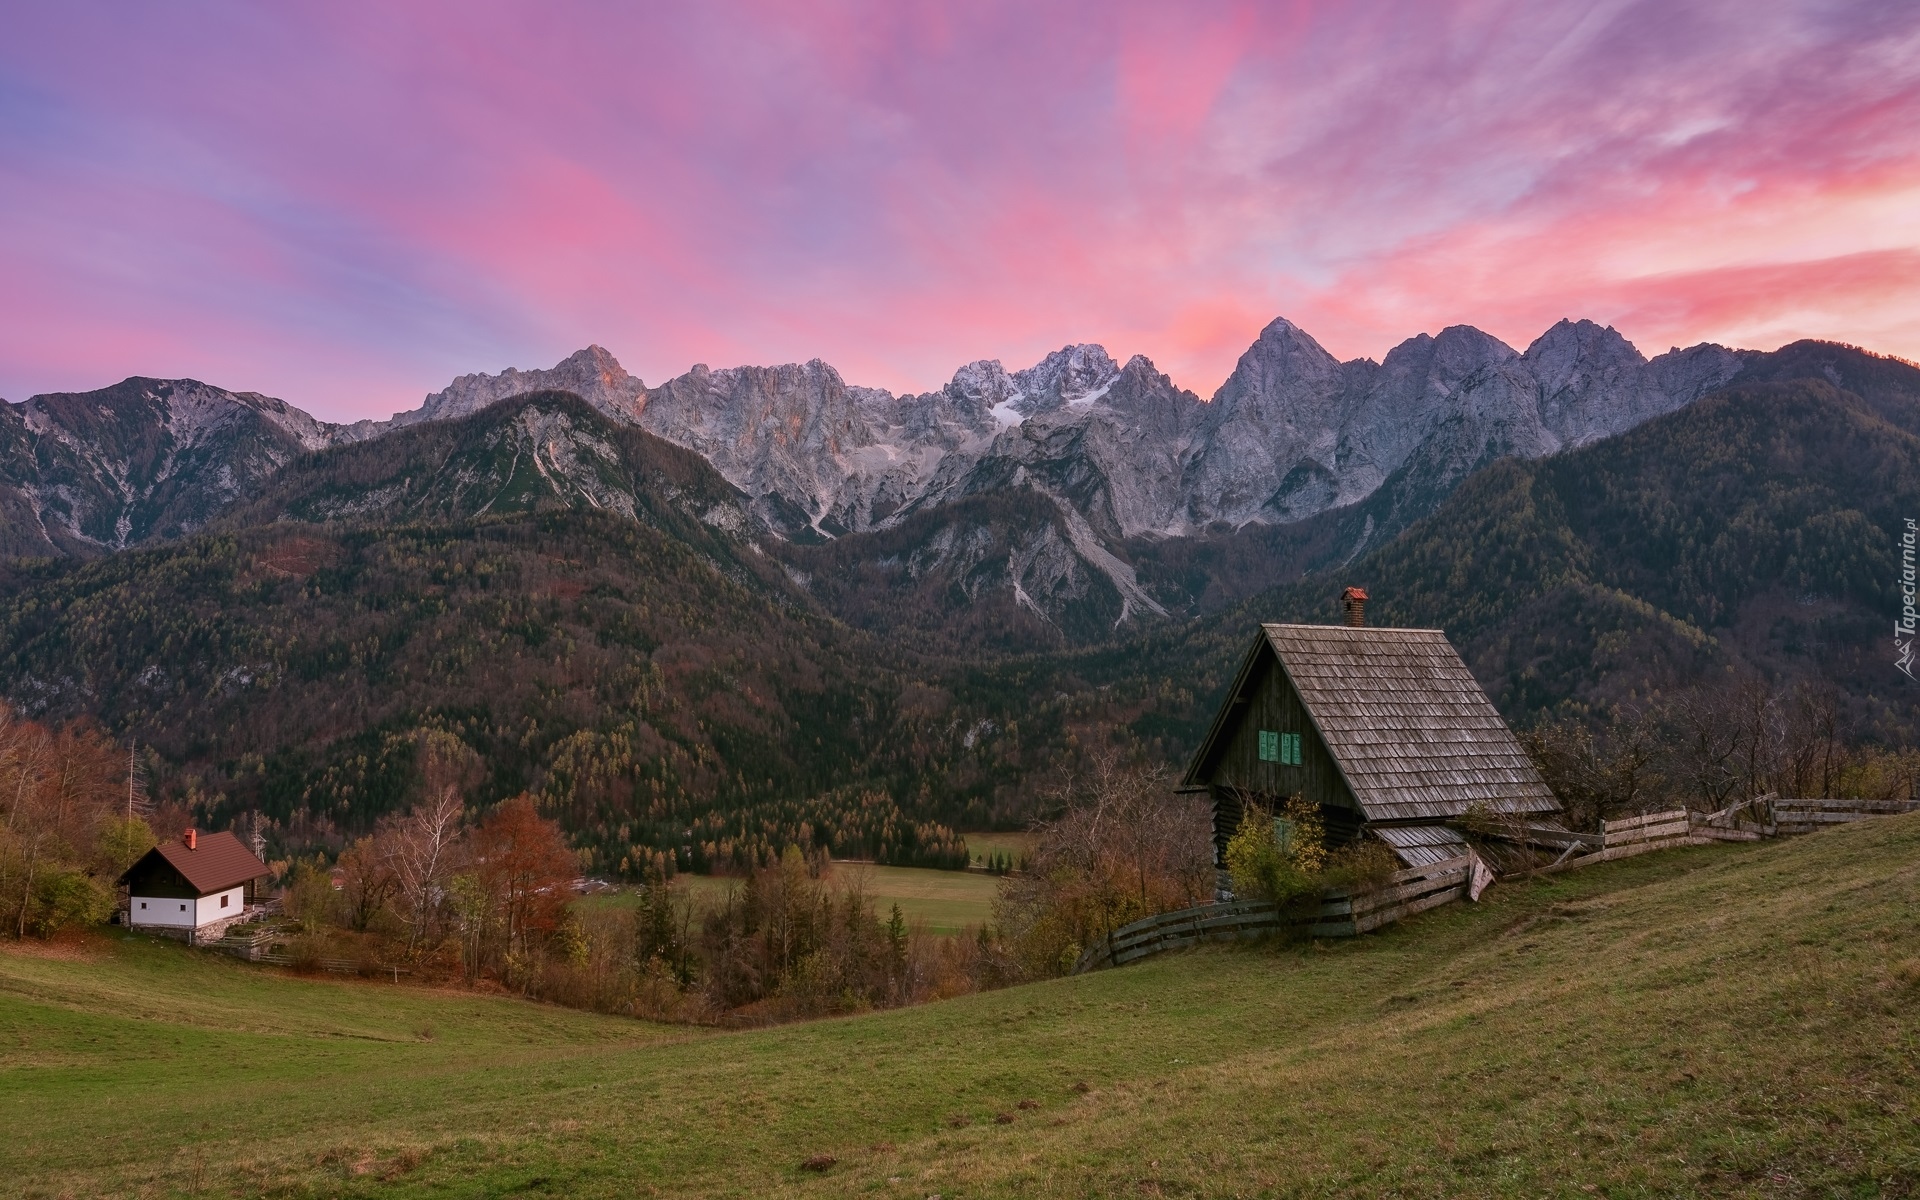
{"x": 1280, "y": 858}
{"x": 309, "y": 899}
{"x": 1126, "y": 846}
{"x": 1363, "y": 866}
{"x": 67, "y": 898}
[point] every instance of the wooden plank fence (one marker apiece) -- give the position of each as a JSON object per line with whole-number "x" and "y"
{"x": 1748, "y": 820}
{"x": 256, "y": 945}
{"x": 1176, "y": 930}
{"x": 1341, "y": 914}
{"x": 1811, "y": 816}
{"x": 1414, "y": 890}
{"x": 1417, "y": 889}
{"x": 336, "y": 966}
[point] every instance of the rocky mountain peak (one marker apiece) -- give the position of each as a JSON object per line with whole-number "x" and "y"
{"x": 1423, "y": 371}
{"x": 1075, "y": 375}
{"x": 1284, "y": 341}
{"x": 1283, "y": 363}
{"x": 593, "y": 374}
{"x": 985, "y": 388}
{"x": 1571, "y": 347}
{"x": 1462, "y": 349}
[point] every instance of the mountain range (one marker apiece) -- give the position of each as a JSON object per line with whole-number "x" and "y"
{"x": 756, "y": 606}
{"x": 1111, "y": 459}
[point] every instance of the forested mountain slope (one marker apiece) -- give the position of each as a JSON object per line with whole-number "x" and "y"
{"x": 570, "y": 599}
{"x": 591, "y": 609}
{"x": 1756, "y": 530}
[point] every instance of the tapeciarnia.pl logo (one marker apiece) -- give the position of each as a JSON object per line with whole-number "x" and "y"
{"x": 1903, "y": 629}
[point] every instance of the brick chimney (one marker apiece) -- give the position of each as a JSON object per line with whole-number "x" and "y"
{"x": 1353, "y": 602}
{"x": 192, "y": 839}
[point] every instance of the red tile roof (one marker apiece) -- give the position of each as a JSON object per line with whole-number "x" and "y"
{"x": 219, "y": 862}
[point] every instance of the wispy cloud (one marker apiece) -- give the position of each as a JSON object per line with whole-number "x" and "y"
{"x": 347, "y": 203}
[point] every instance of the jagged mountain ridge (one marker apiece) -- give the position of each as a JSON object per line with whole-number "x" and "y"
{"x": 1120, "y": 455}
{"x": 88, "y": 472}
{"x": 1292, "y": 432}
{"x": 536, "y": 452}
{"x": 1120, "y": 452}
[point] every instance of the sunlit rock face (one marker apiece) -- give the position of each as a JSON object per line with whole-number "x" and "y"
{"x": 1111, "y": 453}
{"x": 592, "y": 374}
{"x": 1291, "y": 433}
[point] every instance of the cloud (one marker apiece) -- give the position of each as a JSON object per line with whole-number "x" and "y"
{"x": 346, "y": 204}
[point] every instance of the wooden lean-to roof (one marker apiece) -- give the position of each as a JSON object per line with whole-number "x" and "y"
{"x": 217, "y": 862}
{"x": 1411, "y": 730}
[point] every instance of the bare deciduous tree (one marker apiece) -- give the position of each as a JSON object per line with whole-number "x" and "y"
{"x": 1125, "y": 845}
{"x": 424, "y": 853}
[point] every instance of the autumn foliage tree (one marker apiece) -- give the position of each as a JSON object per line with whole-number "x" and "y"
{"x": 522, "y": 865}
{"x": 63, "y": 837}
{"x": 1124, "y": 845}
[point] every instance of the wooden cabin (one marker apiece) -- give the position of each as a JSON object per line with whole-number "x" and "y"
{"x": 1385, "y": 729}
{"x": 194, "y": 886}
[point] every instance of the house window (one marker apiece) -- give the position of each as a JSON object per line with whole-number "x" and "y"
{"x": 223, "y": 901}
{"x": 1282, "y": 748}
{"x": 143, "y": 904}
{"x": 183, "y": 908}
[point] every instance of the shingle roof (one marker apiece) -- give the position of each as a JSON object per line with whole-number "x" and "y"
{"x": 1410, "y": 727}
{"x": 1423, "y": 845}
{"x": 219, "y": 861}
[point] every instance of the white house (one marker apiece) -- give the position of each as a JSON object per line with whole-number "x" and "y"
{"x": 196, "y": 886}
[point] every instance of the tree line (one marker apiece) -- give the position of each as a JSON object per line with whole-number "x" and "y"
{"x": 488, "y": 898}
{"x": 1732, "y": 737}
{"x": 67, "y": 824}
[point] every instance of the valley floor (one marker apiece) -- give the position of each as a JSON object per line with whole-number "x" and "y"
{"x": 941, "y": 902}
{"x": 1740, "y": 1020}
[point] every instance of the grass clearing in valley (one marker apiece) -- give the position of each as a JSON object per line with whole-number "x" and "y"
{"x": 1734, "y": 1020}
{"x": 1015, "y": 846}
{"x": 945, "y": 901}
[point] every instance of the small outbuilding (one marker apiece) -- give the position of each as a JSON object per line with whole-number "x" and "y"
{"x": 1386, "y": 730}
{"x": 193, "y": 886}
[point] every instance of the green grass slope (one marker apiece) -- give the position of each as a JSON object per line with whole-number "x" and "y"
{"x": 1730, "y": 1020}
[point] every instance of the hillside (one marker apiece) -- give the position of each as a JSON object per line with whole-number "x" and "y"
{"x": 569, "y": 598}
{"x": 84, "y": 473}
{"x": 1700, "y": 1022}
{"x": 1756, "y": 528}
{"x": 589, "y": 607}
{"x": 540, "y": 451}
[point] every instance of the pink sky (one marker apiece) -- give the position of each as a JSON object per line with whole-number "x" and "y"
{"x": 347, "y": 204}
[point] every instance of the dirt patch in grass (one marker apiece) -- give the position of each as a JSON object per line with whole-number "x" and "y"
{"x": 74, "y": 945}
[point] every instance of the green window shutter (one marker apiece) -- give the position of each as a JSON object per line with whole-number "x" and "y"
{"x": 1269, "y": 746}
{"x": 1290, "y": 750}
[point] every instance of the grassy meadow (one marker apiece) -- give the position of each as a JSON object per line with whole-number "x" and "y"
{"x": 1733, "y": 1020}
{"x": 1015, "y": 846}
{"x": 942, "y": 902}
